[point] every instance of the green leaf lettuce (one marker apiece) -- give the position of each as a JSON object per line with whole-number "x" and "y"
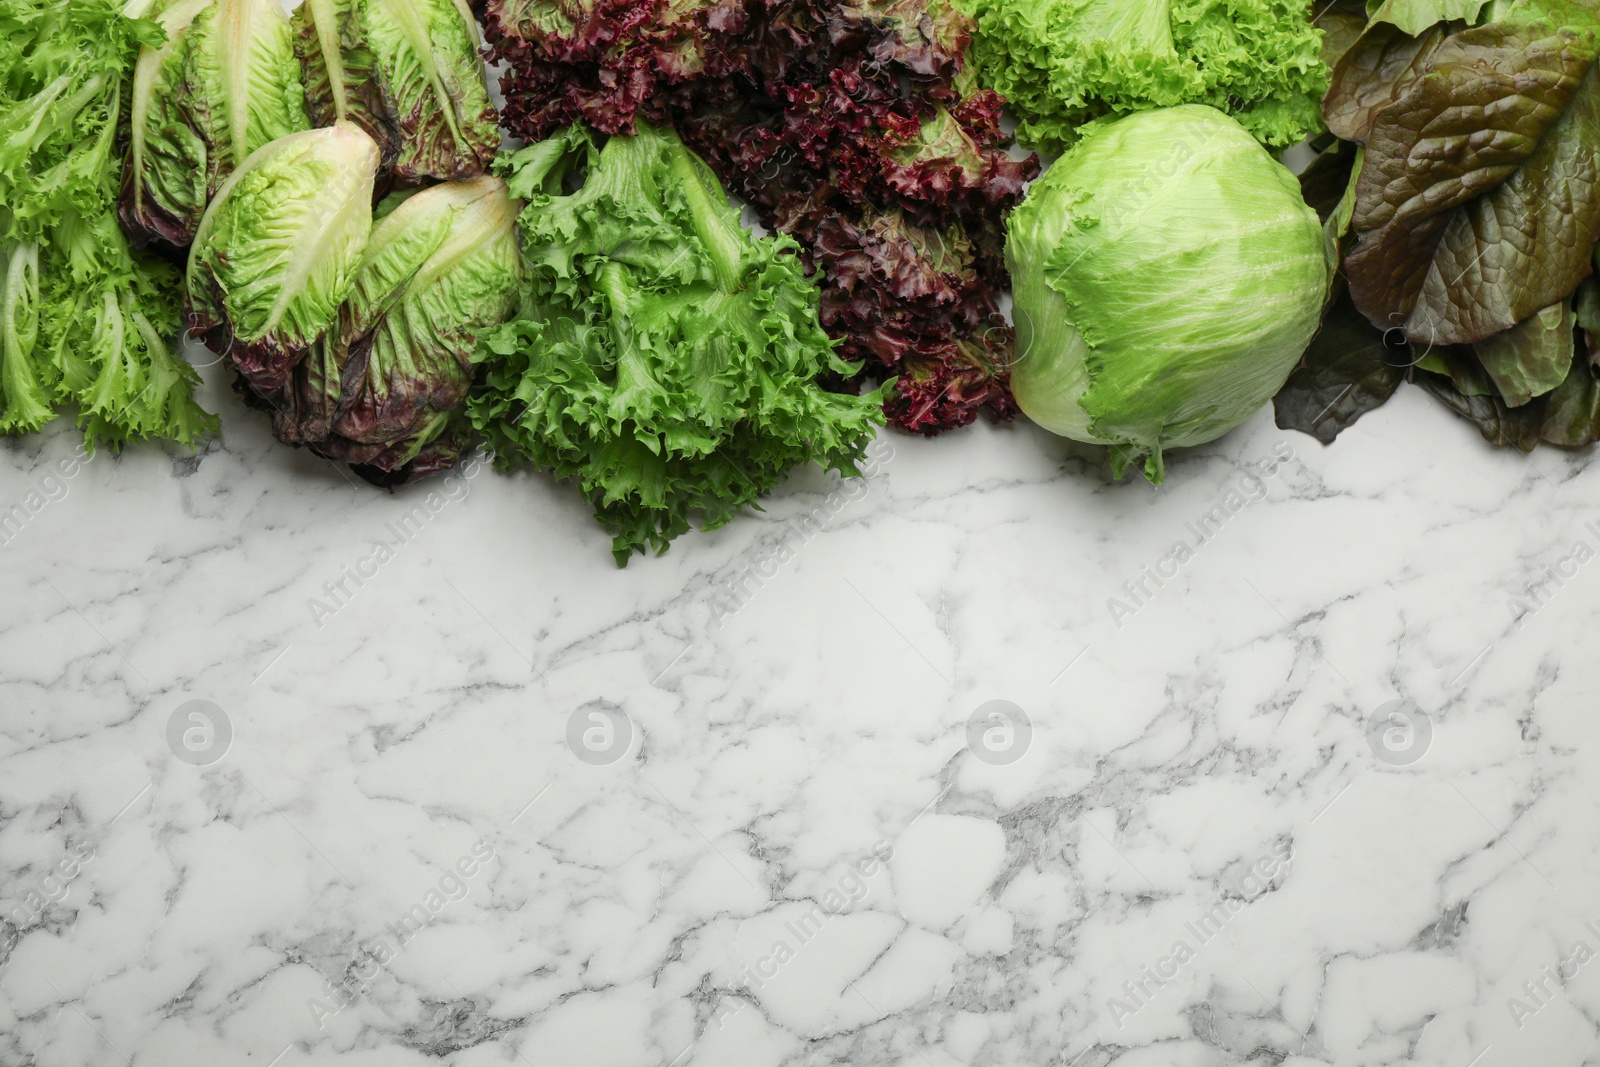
{"x": 83, "y": 318}
{"x": 1062, "y": 64}
{"x": 664, "y": 358}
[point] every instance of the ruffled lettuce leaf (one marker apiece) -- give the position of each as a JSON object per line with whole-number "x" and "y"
{"x": 1062, "y": 64}
{"x": 905, "y": 302}
{"x": 25, "y": 380}
{"x": 130, "y": 379}
{"x": 663, "y": 358}
{"x": 83, "y": 319}
{"x": 854, "y": 126}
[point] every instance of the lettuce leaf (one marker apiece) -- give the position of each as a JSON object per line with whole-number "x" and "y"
{"x": 905, "y": 232}
{"x": 384, "y": 389}
{"x": 1351, "y": 366}
{"x": 278, "y": 250}
{"x": 1415, "y": 16}
{"x": 1062, "y": 64}
{"x": 1479, "y": 201}
{"x": 408, "y": 72}
{"x": 1348, "y": 371}
{"x": 1532, "y": 357}
{"x": 84, "y": 320}
{"x": 25, "y": 394}
{"x": 223, "y": 83}
{"x": 1472, "y": 230}
{"x": 853, "y": 126}
{"x": 1567, "y": 416}
{"x": 904, "y": 301}
{"x": 663, "y": 358}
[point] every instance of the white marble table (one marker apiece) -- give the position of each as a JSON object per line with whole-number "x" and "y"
{"x": 402, "y": 828}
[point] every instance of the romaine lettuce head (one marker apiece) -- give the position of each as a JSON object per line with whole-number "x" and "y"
{"x": 384, "y": 390}
{"x": 409, "y": 73}
{"x": 223, "y": 83}
{"x": 1477, "y": 203}
{"x": 278, "y": 250}
{"x": 1168, "y": 276}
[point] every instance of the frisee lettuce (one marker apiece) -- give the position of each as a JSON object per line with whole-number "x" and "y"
{"x": 663, "y": 357}
{"x": 83, "y": 319}
{"x": 1062, "y": 64}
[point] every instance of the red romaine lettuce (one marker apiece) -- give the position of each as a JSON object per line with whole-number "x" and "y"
{"x": 1467, "y": 204}
{"x": 407, "y": 72}
{"x": 1479, "y": 201}
{"x": 383, "y": 390}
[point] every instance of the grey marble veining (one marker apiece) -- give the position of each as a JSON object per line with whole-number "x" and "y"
{"x": 293, "y": 771}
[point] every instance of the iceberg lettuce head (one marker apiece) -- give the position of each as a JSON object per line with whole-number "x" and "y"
{"x": 1168, "y": 277}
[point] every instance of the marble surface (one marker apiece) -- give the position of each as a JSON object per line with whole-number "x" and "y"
{"x": 294, "y": 772}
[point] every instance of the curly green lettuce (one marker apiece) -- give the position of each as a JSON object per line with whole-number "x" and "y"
{"x": 663, "y": 358}
{"x": 84, "y": 320}
{"x": 1062, "y": 64}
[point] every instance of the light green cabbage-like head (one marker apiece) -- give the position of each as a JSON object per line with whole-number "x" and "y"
{"x": 1168, "y": 276}
{"x": 278, "y": 250}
